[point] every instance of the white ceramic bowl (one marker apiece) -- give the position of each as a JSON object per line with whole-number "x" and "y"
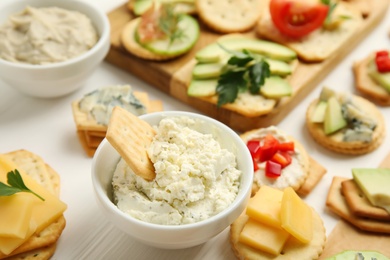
{"x": 57, "y": 79}
{"x": 171, "y": 236}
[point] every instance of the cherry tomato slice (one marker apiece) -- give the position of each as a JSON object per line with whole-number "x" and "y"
{"x": 296, "y": 18}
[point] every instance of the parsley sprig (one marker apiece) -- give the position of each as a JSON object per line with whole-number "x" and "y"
{"x": 244, "y": 71}
{"x": 16, "y": 184}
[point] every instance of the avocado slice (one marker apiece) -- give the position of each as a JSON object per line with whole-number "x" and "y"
{"x": 334, "y": 119}
{"x": 207, "y": 70}
{"x": 358, "y": 255}
{"x": 202, "y": 88}
{"x": 275, "y": 87}
{"x": 375, "y": 183}
{"x": 164, "y": 46}
{"x": 327, "y": 93}
{"x": 318, "y": 115}
{"x": 213, "y": 70}
{"x": 214, "y": 52}
{"x": 382, "y": 79}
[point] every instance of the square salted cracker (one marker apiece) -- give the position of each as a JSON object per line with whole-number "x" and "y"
{"x": 131, "y": 137}
{"x": 336, "y": 202}
{"x": 359, "y": 204}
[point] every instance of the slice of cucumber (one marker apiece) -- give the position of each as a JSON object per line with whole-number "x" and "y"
{"x": 179, "y": 46}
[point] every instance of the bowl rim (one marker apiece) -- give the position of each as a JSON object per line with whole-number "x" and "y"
{"x": 103, "y": 197}
{"x": 104, "y": 36}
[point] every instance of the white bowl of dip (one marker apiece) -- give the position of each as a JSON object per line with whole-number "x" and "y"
{"x": 59, "y": 78}
{"x": 106, "y": 159}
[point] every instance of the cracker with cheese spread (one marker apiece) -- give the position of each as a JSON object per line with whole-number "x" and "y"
{"x": 302, "y": 174}
{"x": 319, "y": 44}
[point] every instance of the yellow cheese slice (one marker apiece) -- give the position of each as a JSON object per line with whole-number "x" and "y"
{"x": 7, "y": 244}
{"x": 265, "y": 206}
{"x": 263, "y": 237}
{"x": 296, "y": 216}
{"x": 43, "y": 213}
{"x": 20, "y": 215}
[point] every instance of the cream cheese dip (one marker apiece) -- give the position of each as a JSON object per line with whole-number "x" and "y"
{"x": 46, "y": 35}
{"x": 195, "y": 177}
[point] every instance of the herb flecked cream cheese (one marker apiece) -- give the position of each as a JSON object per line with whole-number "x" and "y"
{"x": 46, "y": 35}
{"x": 195, "y": 177}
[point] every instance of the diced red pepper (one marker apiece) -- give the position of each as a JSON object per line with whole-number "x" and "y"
{"x": 287, "y": 156}
{"x": 383, "y": 64}
{"x": 272, "y": 169}
{"x": 287, "y": 146}
{"x": 282, "y": 158}
{"x": 269, "y": 148}
{"x": 382, "y": 61}
{"x": 255, "y": 165}
{"x": 253, "y": 146}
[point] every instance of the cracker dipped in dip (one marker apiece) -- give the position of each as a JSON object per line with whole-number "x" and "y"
{"x": 195, "y": 177}
{"x": 46, "y": 35}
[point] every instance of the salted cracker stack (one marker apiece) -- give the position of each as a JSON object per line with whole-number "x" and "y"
{"x": 131, "y": 137}
{"x": 320, "y": 44}
{"x": 277, "y": 225}
{"x": 368, "y": 85}
{"x": 338, "y": 204}
{"x": 229, "y": 16}
{"x": 91, "y": 113}
{"x": 345, "y": 123}
{"x": 42, "y": 243}
{"x": 303, "y": 174}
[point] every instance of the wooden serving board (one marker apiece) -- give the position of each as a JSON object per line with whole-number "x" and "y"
{"x": 172, "y": 77}
{"x": 346, "y": 237}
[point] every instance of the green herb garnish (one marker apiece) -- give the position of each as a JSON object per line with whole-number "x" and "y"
{"x": 168, "y": 23}
{"x": 332, "y": 6}
{"x": 330, "y": 20}
{"x": 16, "y": 184}
{"x": 244, "y": 71}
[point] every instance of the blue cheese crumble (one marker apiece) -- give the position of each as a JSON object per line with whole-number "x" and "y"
{"x": 99, "y": 103}
{"x": 195, "y": 178}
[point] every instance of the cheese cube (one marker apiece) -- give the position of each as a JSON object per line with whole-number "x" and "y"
{"x": 265, "y": 206}
{"x": 43, "y": 212}
{"x": 296, "y": 216}
{"x": 19, "y": 216}
{"x": 263, "y": 237}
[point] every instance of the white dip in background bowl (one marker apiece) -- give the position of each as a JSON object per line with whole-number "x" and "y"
{"x": 183, "y": 235}
{"x": 58, "y": 78}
